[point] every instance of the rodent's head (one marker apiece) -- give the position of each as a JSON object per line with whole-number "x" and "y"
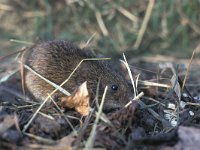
{"x": 119, "y": 92}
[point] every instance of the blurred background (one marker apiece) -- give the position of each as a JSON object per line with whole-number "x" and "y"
{"x": 136, "y": 27}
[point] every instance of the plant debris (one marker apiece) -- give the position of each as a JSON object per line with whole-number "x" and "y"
{"x": 160, "y": 117}
{"x": 78, "y": 100}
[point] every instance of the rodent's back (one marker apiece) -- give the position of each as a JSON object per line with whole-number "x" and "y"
{"x": 55, "y": 60}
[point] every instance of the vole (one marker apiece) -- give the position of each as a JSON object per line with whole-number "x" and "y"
{"x": 55, "y": 60}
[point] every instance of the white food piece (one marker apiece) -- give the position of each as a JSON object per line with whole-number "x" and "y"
{"x": 191, "y": 113}
{"x": 172, "y": 106}
{"x": 182, "y": 104}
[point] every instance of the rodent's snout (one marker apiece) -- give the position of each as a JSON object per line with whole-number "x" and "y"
{"x": 109, "y": 107}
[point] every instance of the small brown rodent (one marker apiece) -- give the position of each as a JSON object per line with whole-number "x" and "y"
{"x": 55, "y": 60}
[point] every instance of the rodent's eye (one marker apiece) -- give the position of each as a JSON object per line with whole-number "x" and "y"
{"x": 114, "y": 87}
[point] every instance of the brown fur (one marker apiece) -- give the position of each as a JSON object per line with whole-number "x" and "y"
{"x": 55, "y": 60}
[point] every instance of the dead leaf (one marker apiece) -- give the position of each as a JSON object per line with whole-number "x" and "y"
{"x": 176, "y": 85}
{"x": 78, "y": 100}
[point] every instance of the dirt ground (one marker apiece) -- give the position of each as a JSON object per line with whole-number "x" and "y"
{"x": 166, "y": 117}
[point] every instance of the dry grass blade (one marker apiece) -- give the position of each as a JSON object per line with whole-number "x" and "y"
{"x": 46, "y": 116}
{"x": 22, "y": 73}
{"x": 21, "y": 42}
{"x": 130, "y": 74}
{"x": 8, "y": 75}
{"x": 136, "y": 82}
{"x": 89, "y": 40}
{"x": 188, "y": 68}
{"x": 101, "y": 23}
{"x": 32, "y": 14}
{"x": 48, "y": 81}
{"x": 25, "y": 106}
{"x": 5, "y": 7}
{"x": 17, "y": 52}
{"x": 144, "y": 23}
{"x": 97, "y": 94}
{"x": 17, "y": 123}
{"x": 41, "y": 139}
{"x": 90, "y": 141}
{"x": 154, "y": 100}
{"x": 127, "y": 14}
{"x": 135, "y": 98}
{"x": 83, "y": 129}
{"x": 193, "y": 104}
{"x": 147, "y": 83}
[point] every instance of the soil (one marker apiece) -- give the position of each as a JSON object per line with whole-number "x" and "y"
{"x": 159, "y": 121}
